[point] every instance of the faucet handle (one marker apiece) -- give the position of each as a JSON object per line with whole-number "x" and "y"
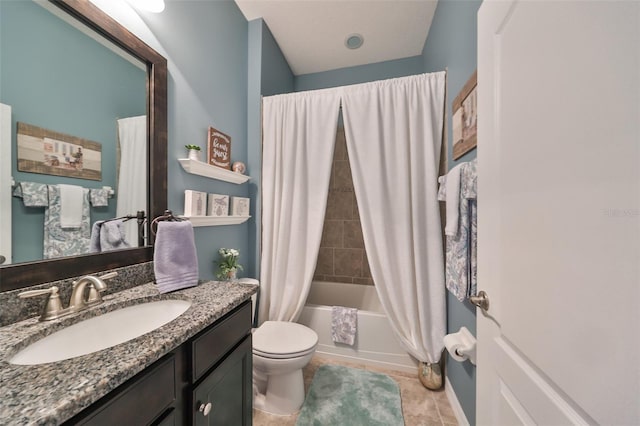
{"x": 108, "y": 275}
{"x": 52, "y": 307}
{"x": 32, "y": 293}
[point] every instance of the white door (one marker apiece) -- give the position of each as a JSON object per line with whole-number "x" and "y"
{"x": 559, "y": 212}
{"x": 5, "y": 184}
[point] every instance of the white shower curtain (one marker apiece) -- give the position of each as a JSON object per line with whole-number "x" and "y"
{"x": 394, "y": 131}
{"x": 298, "y": 139}
{"x": 132, "y": 178}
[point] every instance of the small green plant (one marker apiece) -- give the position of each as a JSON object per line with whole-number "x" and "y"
{"x": 228, "y": 266}
{"x": 194, "y": 147}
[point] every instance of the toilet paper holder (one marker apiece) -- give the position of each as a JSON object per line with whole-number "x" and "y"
{"x": 461, "y": 345}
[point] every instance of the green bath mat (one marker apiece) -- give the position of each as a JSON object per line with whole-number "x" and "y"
{"x": 351, "y": 397}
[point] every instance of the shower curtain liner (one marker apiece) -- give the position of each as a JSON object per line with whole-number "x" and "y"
{"x": 394, "y": 131}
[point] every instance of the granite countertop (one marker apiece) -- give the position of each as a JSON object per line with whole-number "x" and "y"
{"x": 49, "y": 394}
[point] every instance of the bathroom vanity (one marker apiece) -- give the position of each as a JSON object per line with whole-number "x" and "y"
{"x": 197, "y": 369}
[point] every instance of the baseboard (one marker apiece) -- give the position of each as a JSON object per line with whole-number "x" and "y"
{"x": 368, "y": 362}
{"x": 455, "y": 404}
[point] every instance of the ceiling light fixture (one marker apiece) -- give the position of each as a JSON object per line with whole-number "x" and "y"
{"x": 155, "y": 6}
{"x": 353, "y": 41}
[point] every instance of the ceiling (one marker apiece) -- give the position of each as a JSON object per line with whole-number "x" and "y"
{"x": 312, "y": 33}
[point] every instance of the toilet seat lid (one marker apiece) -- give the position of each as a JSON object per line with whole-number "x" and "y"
{"x": 275, "y": 338}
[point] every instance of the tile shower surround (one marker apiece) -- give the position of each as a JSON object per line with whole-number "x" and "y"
{"x": 342, "y": 256}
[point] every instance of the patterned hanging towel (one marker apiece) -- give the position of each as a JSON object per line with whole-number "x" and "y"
{"x": 462, "y": 246}
{"x": 344, "y": 324}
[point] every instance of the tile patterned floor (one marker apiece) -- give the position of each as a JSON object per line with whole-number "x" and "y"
{"x": 420, "y": 406}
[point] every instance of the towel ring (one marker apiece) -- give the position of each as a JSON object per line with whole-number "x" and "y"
{"x": 167, "y": 216}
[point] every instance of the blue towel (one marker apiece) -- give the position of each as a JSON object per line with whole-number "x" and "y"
{"x": 112, "y": 236}
{"x": 94, "y": 243}
{"x": 175, "y": 260}
{"x": 108, "y": 235}
{"x": 461, "y": 247}
{"x": 99, "y": 197}
{"x": 32, "y": 194}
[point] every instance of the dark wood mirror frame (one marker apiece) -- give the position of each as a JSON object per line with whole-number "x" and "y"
{"x": 31, "y": 273}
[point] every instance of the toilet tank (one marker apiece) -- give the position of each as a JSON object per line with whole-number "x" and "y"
{"x": 254, "y": 298}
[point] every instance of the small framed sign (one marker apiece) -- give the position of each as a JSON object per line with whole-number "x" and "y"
{"x": 239, "y": 206}
{"x": 195, "y": 203}
{"x": 218, "y": 205}
{"x": 465, "y": 118}
{"x": 219, "y": 149}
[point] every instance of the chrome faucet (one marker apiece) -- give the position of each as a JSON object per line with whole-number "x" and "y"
{"x": 78, "y": 302}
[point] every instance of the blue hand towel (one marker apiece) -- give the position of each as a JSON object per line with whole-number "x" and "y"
{"x": 33, "y": 194}
{"x": 175, "y": 260}
{"x": 112, "y": 236}
{"x": 94, "y": 243}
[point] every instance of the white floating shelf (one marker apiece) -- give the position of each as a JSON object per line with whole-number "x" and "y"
{"x": 216, "y": 220}
{"x": 201, "y": 168}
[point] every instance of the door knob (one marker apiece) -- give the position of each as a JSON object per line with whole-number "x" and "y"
{"x": 205, "y": 409}
{"x": 2, "y": 259}
{"x": 481, "y": 300}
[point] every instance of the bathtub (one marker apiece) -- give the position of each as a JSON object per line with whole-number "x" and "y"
{"x": 375, "y": 343}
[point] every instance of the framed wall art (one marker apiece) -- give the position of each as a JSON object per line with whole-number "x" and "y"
{"x": 53, "y": 153}
{"x": 465, "y": 118}
{"x": 195, "y": 203}
{"x": 219, "y": 149}
{"x": 239, "y": 206}
{"x": 218, "y": 205}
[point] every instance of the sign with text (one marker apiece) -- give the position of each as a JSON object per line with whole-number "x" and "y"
{"x": 219, "y": 149}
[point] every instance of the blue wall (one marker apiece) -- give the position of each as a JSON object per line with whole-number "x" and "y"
{"x": 222, "y": 86}
{"x": 277, "y": 76}
{"x": 451, "y": 44}
{"x": 205, "y": 44}
{"x": 360, "y": 74}
{"x": 43, "y": 57}
{"x": 254, "y": 142}
{"x": 269, "y": 74}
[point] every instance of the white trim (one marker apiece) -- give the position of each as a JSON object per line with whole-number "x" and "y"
{"x": 203, "y": 169}
{"x": 216, "y": 220}
{"x": 7, "y": 183}
{"x": 326, "y": 352}
{"x": 455, "y": 404}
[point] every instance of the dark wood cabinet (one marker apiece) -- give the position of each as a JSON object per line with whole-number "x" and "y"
{"x": 224, "y": 396}
{"x": 139, "y": 401}
{"x": 212, "y": 344}
{"x": 214, "y": 367}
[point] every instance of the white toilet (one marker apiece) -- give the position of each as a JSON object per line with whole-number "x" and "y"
{"x": 280, "y": 350}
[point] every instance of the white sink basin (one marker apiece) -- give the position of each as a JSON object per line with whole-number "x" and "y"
{"x": 101, "y": 332}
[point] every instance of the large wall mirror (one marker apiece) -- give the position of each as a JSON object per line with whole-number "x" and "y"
{"x": 71, "y": 71}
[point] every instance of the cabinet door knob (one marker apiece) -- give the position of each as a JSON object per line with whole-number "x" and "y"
{"x": 205, "y": 409}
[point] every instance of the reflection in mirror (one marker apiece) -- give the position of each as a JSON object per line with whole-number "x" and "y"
{"x": 71, "y": 85}
{"x": 25, "y": 274}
